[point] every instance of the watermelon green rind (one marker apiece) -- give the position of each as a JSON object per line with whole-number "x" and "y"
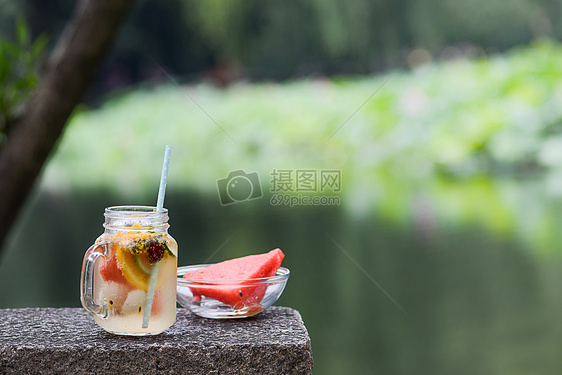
{"x": 244, "y": 268}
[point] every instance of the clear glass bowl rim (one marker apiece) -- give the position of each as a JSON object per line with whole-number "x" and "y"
{"x": 282, "y": 275}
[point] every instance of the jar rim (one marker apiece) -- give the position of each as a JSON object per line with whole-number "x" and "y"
{"x": 134, "y": 210}
{"x": 133, "y": 218}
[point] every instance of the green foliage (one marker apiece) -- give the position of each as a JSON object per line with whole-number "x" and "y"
{"x": 459, "y": 118}
{"x": 280, "y": 40}
{"x": 456, "y": 134}
{"x": 18, "y": 72}
{"x": 296, "y": 37}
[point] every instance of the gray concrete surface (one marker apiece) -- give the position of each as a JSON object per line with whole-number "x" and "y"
{"x": 68, "y": 341}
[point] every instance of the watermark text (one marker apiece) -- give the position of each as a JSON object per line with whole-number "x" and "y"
{"x": 303, "y": 200}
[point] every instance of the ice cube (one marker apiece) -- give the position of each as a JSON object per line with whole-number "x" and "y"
{"x": 134, "y": 304}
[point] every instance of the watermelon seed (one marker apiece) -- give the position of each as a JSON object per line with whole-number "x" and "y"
{"x": 241, "y": 294}
{"x": 140, "y": 308}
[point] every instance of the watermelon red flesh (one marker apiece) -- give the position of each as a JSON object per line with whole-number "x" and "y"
{"x": 109, "y": 271}
{"x": 248, "y": 267}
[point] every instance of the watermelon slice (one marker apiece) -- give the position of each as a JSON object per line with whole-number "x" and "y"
{"x": 248, "y": 267}
{"x": 110, "y": 271}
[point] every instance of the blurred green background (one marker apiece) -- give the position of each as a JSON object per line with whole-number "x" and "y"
{"x": 443, "y": 116}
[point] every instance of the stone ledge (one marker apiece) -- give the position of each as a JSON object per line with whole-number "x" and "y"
{"x": 67, "y": 340}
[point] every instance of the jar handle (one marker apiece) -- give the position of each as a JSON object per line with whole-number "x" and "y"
{"x": 87, "y": 279}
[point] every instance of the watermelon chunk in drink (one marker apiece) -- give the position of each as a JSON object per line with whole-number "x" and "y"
{"x": 237, "y": 295}
{"x": 110, "y": 271}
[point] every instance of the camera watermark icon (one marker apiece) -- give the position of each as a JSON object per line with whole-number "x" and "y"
{"x": 239, "y": 186}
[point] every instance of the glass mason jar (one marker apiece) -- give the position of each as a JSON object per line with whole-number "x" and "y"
{"x": 129, "y": 275}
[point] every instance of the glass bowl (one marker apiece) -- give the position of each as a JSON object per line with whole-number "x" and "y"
{"x": 223, "y": 299}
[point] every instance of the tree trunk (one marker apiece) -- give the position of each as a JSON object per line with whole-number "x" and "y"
{"x": 69, "y": 71}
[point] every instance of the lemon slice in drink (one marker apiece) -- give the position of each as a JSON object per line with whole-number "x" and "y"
{"x": 135, "y": 269}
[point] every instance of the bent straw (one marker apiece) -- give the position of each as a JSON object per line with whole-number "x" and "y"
{"x": 159, "y": 208}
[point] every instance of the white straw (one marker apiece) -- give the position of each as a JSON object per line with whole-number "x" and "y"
{"x": 159, "y": 208}
{"x": 164, "y": 179}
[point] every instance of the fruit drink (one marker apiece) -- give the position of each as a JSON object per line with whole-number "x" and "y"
{"x": 126, "y": 256}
